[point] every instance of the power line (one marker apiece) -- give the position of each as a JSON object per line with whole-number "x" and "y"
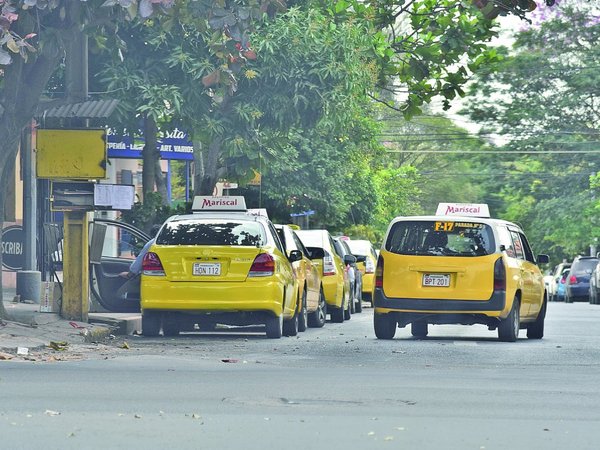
{"x": 501, "y": 152}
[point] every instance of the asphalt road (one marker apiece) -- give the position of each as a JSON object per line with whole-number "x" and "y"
{"x": 335, "y": 388}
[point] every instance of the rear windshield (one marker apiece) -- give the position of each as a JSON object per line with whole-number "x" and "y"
{"x": 212, "y": 232}
{"x": 584, "y": 266}
{"x": 359, "y": 247}
{"x": 441, "y": 238}
{"x": 311, "y": 238}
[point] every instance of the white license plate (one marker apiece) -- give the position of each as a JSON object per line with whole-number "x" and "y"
{"x": 206, "y": 269}
{"x": 436, "y": 279}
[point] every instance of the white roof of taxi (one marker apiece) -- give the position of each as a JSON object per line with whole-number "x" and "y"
{"x": 239, "y": 215}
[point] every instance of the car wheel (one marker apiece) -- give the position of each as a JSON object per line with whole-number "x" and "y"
{"x": 303, "y": 316}
{"x": 170, "y": 325}
{"x": 348, "y": 310}
{"x": 290, "y": 326}
{"x": 274, "y": 327}
{"x": 151, "y": 323}
{"x": 358, "y": 305}
{"x": 317, "y": 318}
{"x": 419, "y": 329}
{"x": 535, "y": 330}
{"x": 508, "y": 330}
{"x": 385, "y": 326}
{"x": 337, "y": 315}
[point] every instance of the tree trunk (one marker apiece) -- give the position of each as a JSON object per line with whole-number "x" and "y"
{"x": 161, "y": 182}
{"x": 23, "y": 84}
{"x": 150, "y": 155}
{"x": 210, "y": 162}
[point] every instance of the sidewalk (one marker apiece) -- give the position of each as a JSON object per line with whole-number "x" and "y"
{"x": 26, "y": 327}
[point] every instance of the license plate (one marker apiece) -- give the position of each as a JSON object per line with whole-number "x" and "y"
{"x": 436, "y": 279}
{"x": 204, "y": 269}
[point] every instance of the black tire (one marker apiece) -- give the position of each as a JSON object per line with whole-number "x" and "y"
{"x": 535, "y": 330}
{"x": 358, "y": 307}
{"x": 419, "y": 329}
{"x": 348, "y": 310}
{"x": 290, "y": 326}
{"x": 508, "y": 329}
{"x": 303, "y": 315}
{"x": 274, "y": 327}
{"x": 318, "y": 318}
{"x": 151, "y": 321}
{"x": 337, "y": 315}
{"x": 385, "y": 326}
{"x": 170, "y": 325}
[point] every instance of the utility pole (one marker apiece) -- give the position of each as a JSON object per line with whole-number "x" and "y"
{"x": 76, "y": 292}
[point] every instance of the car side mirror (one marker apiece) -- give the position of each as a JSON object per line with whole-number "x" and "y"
{"x": 315, "y": 252}
{"x": 543, "y": 259}
{"x": 360, "y": 258}
{"x": 295, "y": 255}
{"x": 349, "y": 259}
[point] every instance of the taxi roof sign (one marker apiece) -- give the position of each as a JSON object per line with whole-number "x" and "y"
{"x": 211, "y": 203}
{"x": 463, "y": 209}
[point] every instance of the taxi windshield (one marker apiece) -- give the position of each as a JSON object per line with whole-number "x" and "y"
{"x": 212, "y": 232}
{"x": 440, "y": 238}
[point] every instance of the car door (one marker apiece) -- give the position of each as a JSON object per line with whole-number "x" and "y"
{"x": 113, "y": 247}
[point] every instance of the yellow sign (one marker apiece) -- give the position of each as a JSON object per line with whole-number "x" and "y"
{"x": 71, "y": 154}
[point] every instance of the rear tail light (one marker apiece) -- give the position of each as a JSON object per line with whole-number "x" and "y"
{"x": 151, "y": 265}
{"x": 379, "y": 273}
{"x": 572, "y": 279}
{"x": 328, "y": 265}
{"x": 369, "y": 266}
{"x": 499, "y": 275}
{"x": 263, "y": 266}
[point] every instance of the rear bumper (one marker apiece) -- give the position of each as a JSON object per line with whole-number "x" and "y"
{"x": 212, "y": 297}
{"x": 490, "y": 307}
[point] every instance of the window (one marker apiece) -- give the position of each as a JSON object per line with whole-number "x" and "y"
{"x": 441, "y": 238}
{"x": 212, "y": 232}
{"x": 518, "y": 246}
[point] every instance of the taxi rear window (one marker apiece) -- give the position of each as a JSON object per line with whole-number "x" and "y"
{"x": 212, "y": 232}
{"x": 439, "y": 238}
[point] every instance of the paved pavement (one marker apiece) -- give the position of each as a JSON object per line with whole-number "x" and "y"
{"x": 28, "y": 328}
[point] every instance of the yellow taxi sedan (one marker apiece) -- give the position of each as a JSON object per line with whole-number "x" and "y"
{"x": 458, "y": 267}
{"x": 222, "y": 267}
{"x": 333, "y": 270}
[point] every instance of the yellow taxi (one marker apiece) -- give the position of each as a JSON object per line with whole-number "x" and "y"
{"x": 361, "y": 247}
{"x": 218, "y": 265}
{"x": 335, "y": 281}
{"x": 312, "y": 305}
{"x": 458, "y": 267}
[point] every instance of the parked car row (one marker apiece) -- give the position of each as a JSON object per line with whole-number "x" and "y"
{"x": 224, "y": 265}
{"x": 578, "y": 280}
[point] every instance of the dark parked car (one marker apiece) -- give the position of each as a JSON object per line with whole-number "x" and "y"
{"x": 578, "y": 281}
{"x": 595, "y": 286}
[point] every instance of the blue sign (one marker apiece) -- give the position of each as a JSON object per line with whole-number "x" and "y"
{"x": 303, "y": 213}
{"x": 173, "y": 145}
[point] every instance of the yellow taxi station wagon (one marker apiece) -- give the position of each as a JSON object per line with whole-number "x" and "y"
{"x": 458, "y": 267}
{"x": 219, "y": 265}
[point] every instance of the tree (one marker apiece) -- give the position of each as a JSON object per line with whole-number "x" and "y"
{"x": 543, "y": 98}
{"x": 37, "y": 32}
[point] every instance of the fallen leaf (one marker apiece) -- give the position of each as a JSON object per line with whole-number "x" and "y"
{"x": 5, "y": 356}
{"x": 137, "y": 416}
{"x": 125, "y": 345}
{"x": 58, "y": 345}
